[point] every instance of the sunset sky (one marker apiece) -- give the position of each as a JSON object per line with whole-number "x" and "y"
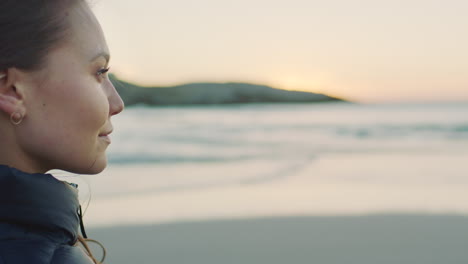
{"x": 366, "y": 51}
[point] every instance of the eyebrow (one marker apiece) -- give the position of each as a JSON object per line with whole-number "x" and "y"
{"x": 105, "y": 55}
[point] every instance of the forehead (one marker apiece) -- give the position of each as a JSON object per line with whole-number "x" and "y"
{"x": 86, "y": 35}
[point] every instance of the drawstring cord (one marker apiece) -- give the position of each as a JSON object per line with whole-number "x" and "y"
{"x": 80, "y": 214}
{"x": 83, "y": 240}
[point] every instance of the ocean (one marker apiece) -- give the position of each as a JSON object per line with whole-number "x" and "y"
{"x": 283, "y": 132}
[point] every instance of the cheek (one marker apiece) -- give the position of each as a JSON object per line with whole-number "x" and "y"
{"x": 73, "y": 102}
{"x": 85, "y": 112}
{"x": 66, "y": 118}
{"x": 90, "y": 106}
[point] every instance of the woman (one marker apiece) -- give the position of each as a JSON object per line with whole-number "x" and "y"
{"x": 56, "y": 102}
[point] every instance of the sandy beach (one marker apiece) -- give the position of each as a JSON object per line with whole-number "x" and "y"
{"x": 372, "y": 239}
{"x": 284, "y": 220}
{"x": 154, "y": 194}
{"x": 334, "y": 184}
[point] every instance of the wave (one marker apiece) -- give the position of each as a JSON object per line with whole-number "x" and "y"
{"x": 405, "y": 131}
{"x": 131, "y": 158}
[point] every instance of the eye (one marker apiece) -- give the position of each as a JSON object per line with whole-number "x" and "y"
{"x": 102, "y": 71}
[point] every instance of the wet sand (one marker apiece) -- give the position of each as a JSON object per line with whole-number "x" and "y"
{"x": 370, "y": 239}
{"x": 332, "y": 185}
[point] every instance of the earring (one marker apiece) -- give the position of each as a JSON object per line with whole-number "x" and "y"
{"x": 16, "y": 118}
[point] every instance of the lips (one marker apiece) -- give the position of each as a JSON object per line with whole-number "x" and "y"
{"x": 105, "y": 134}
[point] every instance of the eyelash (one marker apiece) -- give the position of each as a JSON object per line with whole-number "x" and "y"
{"x": 103, "y": 71}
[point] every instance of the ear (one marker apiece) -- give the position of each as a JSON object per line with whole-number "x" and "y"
{"x": 11, "y": 98}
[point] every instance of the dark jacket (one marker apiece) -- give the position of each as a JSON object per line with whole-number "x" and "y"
{"x": 39, "y": 220}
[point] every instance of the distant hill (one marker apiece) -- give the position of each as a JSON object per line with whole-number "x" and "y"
{"x": 211, "y": 93}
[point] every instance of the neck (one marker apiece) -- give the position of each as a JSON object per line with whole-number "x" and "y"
{"x": 13, "y": 155}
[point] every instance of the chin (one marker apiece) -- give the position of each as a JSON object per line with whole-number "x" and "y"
{"x": 97, "y": 166}
{"x": 95, "y": 169}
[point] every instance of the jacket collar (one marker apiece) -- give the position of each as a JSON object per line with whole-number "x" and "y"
{"x": 39, "y": 201}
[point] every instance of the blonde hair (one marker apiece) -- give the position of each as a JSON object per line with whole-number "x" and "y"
{"x": 84, "y": 243}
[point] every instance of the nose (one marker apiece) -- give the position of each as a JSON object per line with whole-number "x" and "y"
{"x": 116, "y": 104}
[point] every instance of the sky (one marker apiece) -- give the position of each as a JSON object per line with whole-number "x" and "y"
{"x": 364, "y": 51}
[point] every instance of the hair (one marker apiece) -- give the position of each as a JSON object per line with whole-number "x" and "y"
{"x": 29, "y": 29}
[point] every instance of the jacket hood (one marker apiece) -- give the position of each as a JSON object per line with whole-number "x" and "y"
{"x": 39, "y": 201}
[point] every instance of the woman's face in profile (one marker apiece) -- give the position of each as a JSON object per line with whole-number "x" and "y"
{"x": 70, "y": 101}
